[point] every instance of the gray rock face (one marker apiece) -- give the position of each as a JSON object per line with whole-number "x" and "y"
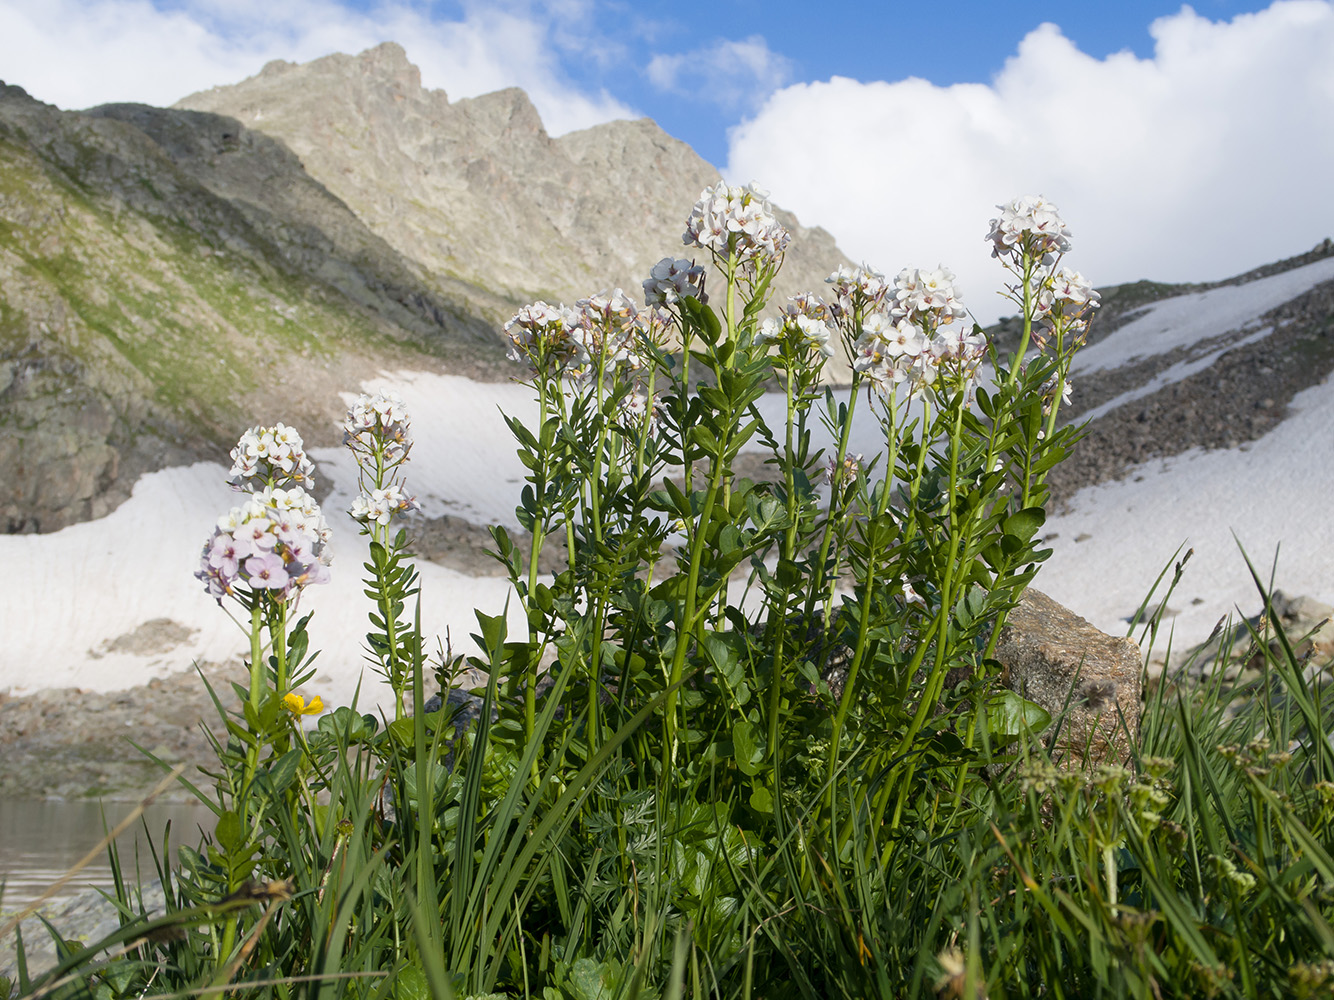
{"x": 476, "y": 189}
{"x": 1058, "y": 660}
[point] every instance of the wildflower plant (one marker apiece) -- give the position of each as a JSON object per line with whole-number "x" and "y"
{"x": 750, "y": 740}
{"x": 725, "y": 600}
{"x": 377, "y": 431}
{"x": 262, "y": 555}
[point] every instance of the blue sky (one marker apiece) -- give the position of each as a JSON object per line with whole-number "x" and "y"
{"x": 1181, "y": 143}
{"x": 945, "y": 43}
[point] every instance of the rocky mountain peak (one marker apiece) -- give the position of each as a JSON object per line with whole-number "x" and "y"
{"x": 478, "y": 191}
{"x": 389, "y": 63}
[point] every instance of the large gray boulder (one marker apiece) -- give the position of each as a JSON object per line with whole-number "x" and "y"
{"x": 1088, "y": 680}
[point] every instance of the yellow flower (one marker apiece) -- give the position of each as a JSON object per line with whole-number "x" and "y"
{"x": 295, "y": 704}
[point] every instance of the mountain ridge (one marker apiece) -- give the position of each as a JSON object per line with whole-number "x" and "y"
{"x": 169, "y": 277}
{"x": 496, "y": 201}
{"x": 146, "y": 318}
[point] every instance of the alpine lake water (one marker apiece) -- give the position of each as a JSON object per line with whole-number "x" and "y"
{"x": 41, "y": 840}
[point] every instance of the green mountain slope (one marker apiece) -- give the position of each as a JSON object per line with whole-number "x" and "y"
{"x": 167, "y": 278}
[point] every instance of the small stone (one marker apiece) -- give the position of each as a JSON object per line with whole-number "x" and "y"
{"x": 1085, "y": 678}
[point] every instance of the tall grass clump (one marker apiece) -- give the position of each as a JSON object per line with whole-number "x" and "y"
{"x": 750, "y": 741}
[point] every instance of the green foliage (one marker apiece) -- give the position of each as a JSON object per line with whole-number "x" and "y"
{"x": 749, "y": 741}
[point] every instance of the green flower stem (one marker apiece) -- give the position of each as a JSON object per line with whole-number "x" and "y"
{"x": 731, "y": 291}
{"x": 568, "y": 510}
{"x": 278, "y": 642}
{"x": 789, "y": 472}
{"x": 1028, "y": 265}
{"x": 384, "y": 602}
{"x": 778, "y": 622}
{"x": 936, "y": 679}
{"x": 598, "y": 607}
{"x": 256, "y": 655}
{"x": 819, "y": 584}
{"x": 534, "y": 551}
{"x": 864, "y": 624}
{"x": 688, "y": 620}
{"x": 256, "y": 699}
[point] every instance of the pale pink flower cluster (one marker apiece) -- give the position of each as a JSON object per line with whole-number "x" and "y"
{"x": 673, "y": 279}
{"x": 842, "y": 474}
{"x": 856, "y": 288}
{"x": 380, "y": 505}
{"x": 606, "y": 325}
{"x": 267, "y": 455}
{"x": 378, "y": 425}
{"x": 1065, "y": 298}
{"x": 927, "y": 298}
{"x": 1029, "y": 225}
{"x": 1049, "y": 393}
{"x": 892, "y": 351}
{"x": 638, "y": 409}
{"x": 736, "y": 221}
{"x": 276, "y": 542}
{"x": 378, "y": 431}
{"x": 543, "y": 336}
{"x": 803, "y": 329}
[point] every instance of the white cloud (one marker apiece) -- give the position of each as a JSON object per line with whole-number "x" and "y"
{"x": 734, "y": 75}
{"x": 1211, "y": 157}
{"x": 77, "y": 53}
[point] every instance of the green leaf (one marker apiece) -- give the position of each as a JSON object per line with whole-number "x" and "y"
{"x": 404, "y": 732}
{"x": 680, "y": 503}
{"x": 761, "y": 799}
{"x": 748, "y": 750}
{"x": 705, "y": 319}
{"x": 766, "y": 512}
{"x": 984, "y": 402}
{"x": 229, "y": 833}
{"x": 590, "y": 980}
{"x": 1009, "y": 715}
{"x": 282, "y": 772}
{"x": 410, "y": 984}
{"x": 1025, "y": 523}
{"x": 493, "y": 630}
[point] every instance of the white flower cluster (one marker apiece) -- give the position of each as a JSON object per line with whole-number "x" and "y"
{"x": 639, "y": 410}
{"x": 736, "y": 221}
{"x": 605, "y": 327}
{"x": 543, "y": 336}
{"x": 1049, "y": 393}
{"x": 1066, "y": 298}
{"x": 919, "y": 335}
{"x": 1029, "y": 225}
{"x": 378, "y": 425}
{"x": 803, "y": 331}
{"x": 856, "y": 287}
{"x": 927, "y": 298}
{"x": 267, "y": 455}
{"x": 380, "y": 505}
{"x": 378, "y": 431}
{"x": 276, "y": 542}
{"x": 602, "y": 329}
{"x": 673, "y": 279}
